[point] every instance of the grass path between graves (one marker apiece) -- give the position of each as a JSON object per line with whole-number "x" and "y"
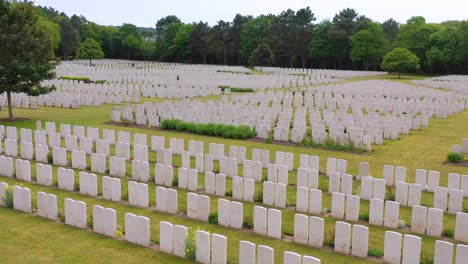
{"x": 52, "y": 242}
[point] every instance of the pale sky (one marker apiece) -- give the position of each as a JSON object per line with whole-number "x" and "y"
{"x": 145, "y": 13}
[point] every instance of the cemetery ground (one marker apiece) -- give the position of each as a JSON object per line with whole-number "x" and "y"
{"x": 46, "y": 241}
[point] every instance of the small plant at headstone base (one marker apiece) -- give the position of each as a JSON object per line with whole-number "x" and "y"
{"x": 55, "y": 183}
{"x": 229, "y": 193}
{"x": 190, "y": 244}
{"x": 124, "y": 196}
{"x": 215, "y": 168}
{"x": 89, "y": 221}
{"x": 88, "y": 168}
{"x": 258, "y": 196}
{"x": 364, "y": 216}
{"x": 248, "y": 222}
{"x": 426, "y": 259}
{"x": 455, "y": 157}
{"x": 465, "y": 210}
{"x": 76, "y": 187}
{"x": 175, "y": 181}
{"x": 401, "y": 224}
{"x": 50, "y": 158}
{"x": 448, "y": 232}
{"x": 373, "y": 252}
{"x": 329, "y": 239}
{"x": 61, "y": 216}
{"x": 119, "y": 233}
{"x": 8, "y": 197}
{"x": 213, "y": 218}
{"x": 269, "y": 139}
{"x": 389, "y": 194}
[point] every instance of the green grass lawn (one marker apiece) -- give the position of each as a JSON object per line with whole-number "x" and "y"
{"x": 55, "y": 242}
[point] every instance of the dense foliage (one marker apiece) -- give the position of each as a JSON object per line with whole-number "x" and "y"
{"x": 347, "y": 41}
{"x": 90, "y": 50}
{"x": 216, "y": 130}
{"x": 26, "y": 51}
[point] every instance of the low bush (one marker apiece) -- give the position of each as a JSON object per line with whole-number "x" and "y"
{"x": 373, "y": 252}
{"x": 74, "y": 78}
{"x": 236, "y": 89}
{"x": 8, "y": 197}
{"x": 213, "y": 218}
{"x": 248, "y": 222}
{"x": 233, "y": 72}
{"x": 364, "y": 216}
{"x": 455, "y": 157}
{"x": 448, "y": 232}
{"x": 190, "y": 245}
{"x": 210, "y": 129}
{"x": 100, "y": 81}
{"x": 329, "y": 238}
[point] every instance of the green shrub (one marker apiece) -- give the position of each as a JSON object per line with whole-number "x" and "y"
{"x": 228, "y": 194}
{"x": 213, "y": 218}
{"x": 448, "y": 232}
{"x": 89, "y": 221}
{"x": 50, "y": 158}
{"x": 236, "y": 89}
{"x": 426, "y": 259}
{"x": 258, "y": 196}
{"x": 248, "y": 222}
{"x": 74, "y": 78}
{"x": 364, "y": 216}
{"x": 210, "y": 129}
{"x": 329, "y": 239}
{"x": 455, "y": 157}
{"x": 269, "y": 139}
{"x": 373, "y": 252}
{"x": 190, "y": 245}
{"x": 100, "y": 81}
{"x": 8, "y": 197}
{"x": 61, "y": 217}
{"x": 175, "y": 181}
{"x": 389, "y": 194}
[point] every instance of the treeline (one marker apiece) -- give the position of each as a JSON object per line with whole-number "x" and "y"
{"x": 349, "y": 41}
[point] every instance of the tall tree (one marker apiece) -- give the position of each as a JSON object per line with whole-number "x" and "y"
{"x": 461, "y": 56}
{"x": 344, "y": 26}
{"x": 166, "y": 30}
{"x": 262, "y": 56}
{"x": 414, "y": 36}
{"x": 400, "y": 60}
{"x": 391, "y": 29}
{"x": 237, "y": 26}
{"x": 256, "y": 32}
{"x": 304, "y": 25}
{"x": 198, "y": 42}
{"x": 90, "y": 49}
{"x": 181, "y": 45}
{"x": 70, "y": 36}
{"x": 443, "y": 47}
{"x": 368, "y": 45}
{"x": 25, "y": 60}
{"x": 319, "y": 49}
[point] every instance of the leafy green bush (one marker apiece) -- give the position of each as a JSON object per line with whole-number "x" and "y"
{"x": 389, "y": 194}
{"x": 373, "y": 252}
{"x": 258, "y": 196}
{"x": 236, "y": 89}
{"x": 8, "y": 197}
{"x": 210, "y": 129}
{"x": 248, "y": 222}
{"x": 100, "y": 81}
{"x": 74, "y": 78}
{"x": 50, "y": 158}
{"x": 448, "y": 232}
{"x": 329, "y": 239}
{"x": 455, "y": 157}
{"x": 190, "y": 245}
{"x": 213, "y": 218}
{"x": 233, "y": 72}
{"x": 364, "y": 216}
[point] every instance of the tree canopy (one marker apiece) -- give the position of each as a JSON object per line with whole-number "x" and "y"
{"x": 90, "y": 50}
{"x": 24, "y": 61}
{"x": 400, "y": 60}
{"x": 262, "y": 56}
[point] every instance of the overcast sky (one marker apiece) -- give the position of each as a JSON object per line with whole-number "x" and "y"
{"x": 145, "y": 13}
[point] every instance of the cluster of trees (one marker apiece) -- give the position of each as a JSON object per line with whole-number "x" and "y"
{"x": 348, "y": 41}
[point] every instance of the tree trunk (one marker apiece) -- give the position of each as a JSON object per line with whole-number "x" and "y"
{"x": 240, "y": 62}
{"x": 224, "y": 53}
{"x": 10, "y": 106}
{"x": 303, "y": 62}
{"x": 261, "y": 70}
{"x": 90, "y": 62}
{"x": 399, "y": 75}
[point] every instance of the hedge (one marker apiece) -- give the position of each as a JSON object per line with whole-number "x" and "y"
{"x": 235, "y": 89}
{"x": 210, "y": 129}
{"x": 74, "y": 78}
